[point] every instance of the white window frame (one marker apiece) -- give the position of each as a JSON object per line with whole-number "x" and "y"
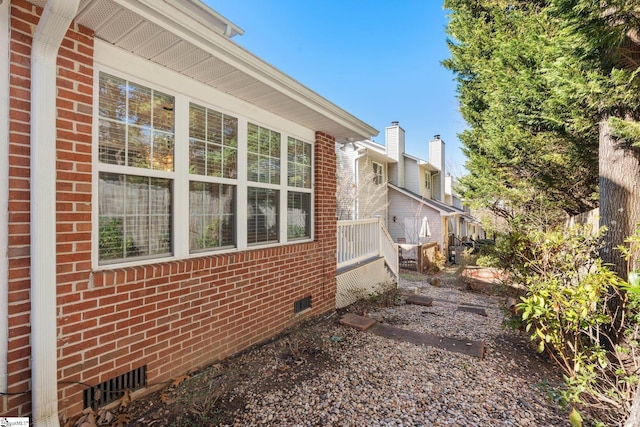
{"x": 427, "y": 180}
{"x": 378, "y": 176}
{"x": 130, "y": 67}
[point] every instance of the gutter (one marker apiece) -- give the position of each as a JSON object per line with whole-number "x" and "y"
{"x": 53, "y": 25}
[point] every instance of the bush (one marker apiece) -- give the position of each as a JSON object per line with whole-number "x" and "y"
{"x": 574, "y": 310}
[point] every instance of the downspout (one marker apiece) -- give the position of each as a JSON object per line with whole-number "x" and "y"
{"x": 4, "y": 191}
{"x": 53, "y": 25}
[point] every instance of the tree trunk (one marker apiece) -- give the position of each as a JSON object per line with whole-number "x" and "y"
{"x": 619, "y": 169}
{"x": 634, "y": 416}
{"x": 619, "y": 195}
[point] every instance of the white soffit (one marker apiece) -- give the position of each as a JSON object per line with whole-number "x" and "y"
{"x": 188, "y": 37}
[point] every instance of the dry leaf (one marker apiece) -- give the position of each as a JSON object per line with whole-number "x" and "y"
{"x": 125, "y": 399}
{"x": 87, "y": 419}
{"x": 90, "y": 421}
{"x": 176, "y": 381}
{"x": 123, "y": 419}
{"x": 164, "y": 399}
{"x": 105, "y": 417}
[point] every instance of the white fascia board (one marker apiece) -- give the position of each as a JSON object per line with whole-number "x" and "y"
{"x": 193, "y": 31}
{"x": 204, "y": 14}
{"x": 428, "y": 166}
{"x": 376, "y": 155}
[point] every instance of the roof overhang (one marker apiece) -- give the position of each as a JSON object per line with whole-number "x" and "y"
{"x": 375, "y": 153}
{"x": 189, "y": 38}
{"x": 427, "y": 166}
{"x": 444, "y": 209}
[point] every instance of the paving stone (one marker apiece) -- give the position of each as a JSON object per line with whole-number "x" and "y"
{"x": 419, "y": 300}
{"x": 470, "y": 347}
{"x": 474, "y": 310}
{"x": 359, "y": 322}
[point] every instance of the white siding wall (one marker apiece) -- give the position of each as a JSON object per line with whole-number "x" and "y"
{"x": 412, "y": 175}
{"x": 424, "y": 190}
{"x": 403, "y": 207}
{"x": 346, "y": 196}
{"x": 372, "y": 198}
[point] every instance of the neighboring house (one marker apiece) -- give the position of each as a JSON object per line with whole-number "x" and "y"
{"x": 362, "y": 180}
{"x": 420, "y": 204}
{"x": 168, "y": 199}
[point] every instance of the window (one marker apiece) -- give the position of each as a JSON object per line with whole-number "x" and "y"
{"x": 427, "y": 181}
{"x": 299, "y": 201}
{"x": 213, "y": 153}
{"x": 169, "y": 179}
{"x": 136, "y": 139}
{"x": 378, "y": 176}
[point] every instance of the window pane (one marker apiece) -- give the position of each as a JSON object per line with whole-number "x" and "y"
{"x": 134, "y": 216}
{"x": 230, "y": 131}
{"x": 298, "y": 215}
{"x": 113, "y": 97}
{"x": 197, "y": 122}
{"x": 262, "y": 221}
{"x": 163, "y": 151}
{"x": 214, "y": 127}
{"x": 163, "y": 112}
{"x": 139, "y": 105}
{"x": 197, "y": 154}
{"x": 230, "y": 163}
{"x": 299, "y": 164}
{"x": 111, "y": 148}
{"x": 212, "y": 218}
{"x": 139, "y": 147}
{"x": 214, "y": 160}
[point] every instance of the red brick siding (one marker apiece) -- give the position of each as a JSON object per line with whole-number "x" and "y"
{"x": 172, "y": 316}
{"x": 23, "y": 19}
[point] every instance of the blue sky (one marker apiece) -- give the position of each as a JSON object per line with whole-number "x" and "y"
{"x": 377, "y": 59}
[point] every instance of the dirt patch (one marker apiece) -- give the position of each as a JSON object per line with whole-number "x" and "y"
{"x": 212, "y": 397}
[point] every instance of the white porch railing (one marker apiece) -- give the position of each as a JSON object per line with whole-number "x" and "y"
{"x": 363, "y": 239}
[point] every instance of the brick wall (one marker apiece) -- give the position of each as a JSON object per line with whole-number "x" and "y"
{"x": 172, "y": 316}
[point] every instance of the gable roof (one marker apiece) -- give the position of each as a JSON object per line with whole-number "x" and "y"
{"x": 443, "y": 208}
{"x": 190, "y": 38}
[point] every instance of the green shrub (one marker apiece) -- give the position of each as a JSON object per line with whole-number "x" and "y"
{"x": 574, "y": 311}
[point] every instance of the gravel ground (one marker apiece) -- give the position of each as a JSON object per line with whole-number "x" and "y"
{"x": 332, "y": 375}
{"x": 379, "y": 382}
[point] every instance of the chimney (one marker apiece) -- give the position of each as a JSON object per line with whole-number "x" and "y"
{"x": 436, "y": 158}
{"x": 394, "y": 142}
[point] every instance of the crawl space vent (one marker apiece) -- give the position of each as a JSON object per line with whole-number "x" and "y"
{"x": 302, "y": 304}
{"x": 113, "y": 389}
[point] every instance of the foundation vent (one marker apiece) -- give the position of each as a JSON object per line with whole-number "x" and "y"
{"x": 302, "y": 304}
{"x": 113, "y": 389}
